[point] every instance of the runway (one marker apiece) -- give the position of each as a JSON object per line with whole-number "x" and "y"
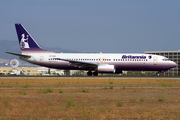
{"x": 96, "y": 77}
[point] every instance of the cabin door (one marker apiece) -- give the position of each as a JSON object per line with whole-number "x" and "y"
{"x": 155, "y": 60}
{"x": 41, "y": 59}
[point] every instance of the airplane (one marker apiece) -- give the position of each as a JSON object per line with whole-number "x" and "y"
{"x": 17, "y": 72}
{"x": 93, "y": 63}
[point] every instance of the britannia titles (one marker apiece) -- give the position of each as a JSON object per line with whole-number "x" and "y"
{"x": 133, "y": 57}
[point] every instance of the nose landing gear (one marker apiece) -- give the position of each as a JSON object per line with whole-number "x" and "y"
{"x": 158, "y": 74}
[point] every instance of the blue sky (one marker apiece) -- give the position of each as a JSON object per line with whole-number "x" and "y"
{"x": 118, "y": 26}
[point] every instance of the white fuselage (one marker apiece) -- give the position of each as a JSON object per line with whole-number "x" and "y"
{"x": 141, "y": 62}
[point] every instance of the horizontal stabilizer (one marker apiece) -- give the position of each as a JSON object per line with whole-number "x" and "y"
{"x": 20, "y": 55}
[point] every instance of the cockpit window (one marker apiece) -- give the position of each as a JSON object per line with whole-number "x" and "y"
{"x": 165, "y": 59}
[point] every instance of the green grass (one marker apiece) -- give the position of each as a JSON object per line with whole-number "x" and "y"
{"x": 161, "y": 99}
{"x": 47, "y": 90}
{"x": 39, "y": 91}
{"x": 111, "y": 87}
{"x": 110, "y": 82}
{"x": 57, "y": 85}
{"x": 165, "y": 84}
{"x": 142, "y": 99}
{"x": 84, "y": 90}
{"x": 119, "y": 103}
{"x": 49, "y": 103}
{"x": 60, "y": 91}
{"x": 22, "y": 92}
{"x": 105, "y": 88}
{"x": 26, "y": 85}
{"x": 6, "y": 100}
{"x": 9, "y": 85}
{"x": 70, "y": 102}
{"x": 133, "y": 99}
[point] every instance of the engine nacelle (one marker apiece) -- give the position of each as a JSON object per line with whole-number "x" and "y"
{"x": 106, "y": 69}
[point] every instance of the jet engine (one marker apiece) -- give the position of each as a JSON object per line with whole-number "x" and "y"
{"x": 106, "y": 69}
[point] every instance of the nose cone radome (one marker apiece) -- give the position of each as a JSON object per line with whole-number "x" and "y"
{"x": 173, "y": 64}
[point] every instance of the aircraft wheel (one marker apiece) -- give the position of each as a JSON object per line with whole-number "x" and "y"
{"x": 95, "y": 73}
{"x": 89, "y": 73}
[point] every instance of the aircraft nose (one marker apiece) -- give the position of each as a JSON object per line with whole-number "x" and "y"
{"x": 173, "y": 64}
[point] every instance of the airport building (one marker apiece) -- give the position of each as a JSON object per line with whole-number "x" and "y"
{"x": 173, "y": 56}
{"x": 26, "y": 70}
{"x": 38, "y": 71}
{"x": 32, "y": 71}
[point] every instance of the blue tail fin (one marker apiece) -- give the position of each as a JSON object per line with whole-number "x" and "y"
{"x": 26, "y": 42}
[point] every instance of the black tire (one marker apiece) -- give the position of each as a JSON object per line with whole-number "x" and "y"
{"x": 89, "y": 73}
{"x": 95, "y": 73}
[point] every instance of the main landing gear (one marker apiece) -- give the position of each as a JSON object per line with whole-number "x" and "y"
{"x": 90, "y": 73}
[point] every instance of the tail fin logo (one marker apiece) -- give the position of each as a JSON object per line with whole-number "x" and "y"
{"x": 24, "y": 41}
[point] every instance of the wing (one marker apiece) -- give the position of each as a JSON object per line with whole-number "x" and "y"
{"x": 80, "y": 63}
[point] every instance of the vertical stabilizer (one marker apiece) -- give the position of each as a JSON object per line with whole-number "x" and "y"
{"x": 26, "y": 42}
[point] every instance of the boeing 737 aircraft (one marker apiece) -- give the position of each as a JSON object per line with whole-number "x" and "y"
{"x": 94, "y": 63}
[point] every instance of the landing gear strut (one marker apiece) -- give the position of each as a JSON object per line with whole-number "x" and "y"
{"x": 158, "y": 74}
